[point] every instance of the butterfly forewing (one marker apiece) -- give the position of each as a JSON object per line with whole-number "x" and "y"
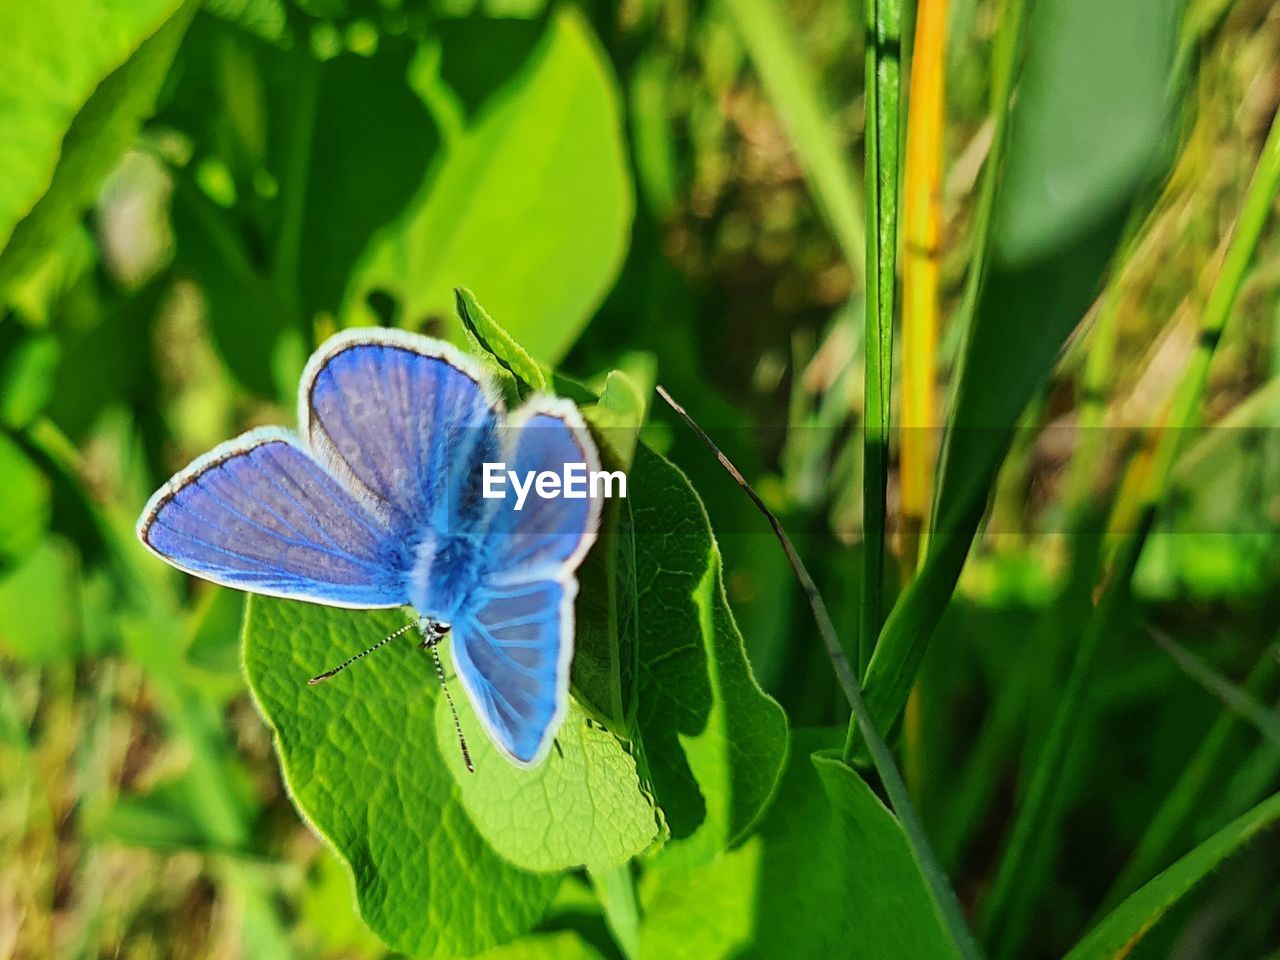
{"x": 259, "y": 514}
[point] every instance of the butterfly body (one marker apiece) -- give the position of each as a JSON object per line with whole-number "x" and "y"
{"x": 378, "y": 503}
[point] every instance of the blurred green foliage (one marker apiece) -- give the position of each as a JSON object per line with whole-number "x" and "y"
{"x": 193, "y": 196}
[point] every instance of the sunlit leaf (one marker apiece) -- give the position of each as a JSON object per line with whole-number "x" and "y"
{"x": 362, "y": 762}
{"x": 582, "y": 806}
{"x": 76, "y": 81}
{"x": 531, "y": 205}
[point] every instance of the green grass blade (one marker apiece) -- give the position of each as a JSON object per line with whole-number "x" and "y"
{"x": 1239, "y": 701}
{"x": 1043, "y": 262}
{"x": 1117, "y": 935}
{"x": 883, "y": 83}
{"x": 1005, "y": 910}
{"x": 1183, "y": 801}
{"x": 777, "y": 56}
{"x": 1041, "y": 809}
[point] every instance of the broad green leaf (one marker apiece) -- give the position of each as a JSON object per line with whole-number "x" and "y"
{"x": 531, "y": 205}
{"x": 705, "y": 913}
{"x": 27, "y": 503}
{"x": 716, "y": 743}
{"x": 1117, "y": 935}
{"x": 619, "y": 415}
{"x": 828, "y": 874}
{"x": 582, "y": 806}
{"x": 368, "y": 155}
{"x": 361, "y": 760}
{"x": 562, "y": 945}
{"x": 828, "y": 839}
{"x": 1094, "y": 73}
{"x": 76, "y": 81}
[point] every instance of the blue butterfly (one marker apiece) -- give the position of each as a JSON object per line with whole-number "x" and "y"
{"x": 378, "y": 503}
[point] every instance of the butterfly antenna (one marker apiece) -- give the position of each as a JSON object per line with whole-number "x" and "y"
{"x": 363, "y": 653}
{"x": 457, "y": 724}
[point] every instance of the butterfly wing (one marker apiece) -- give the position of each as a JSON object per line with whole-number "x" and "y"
{"x": 513, "y": 644}
{"x": 402, "y": 420}
{"x": 259, "y": 514}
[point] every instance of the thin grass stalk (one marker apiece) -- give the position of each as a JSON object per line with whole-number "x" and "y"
{"x": 1236, "y": 699}
{"x": 1091, "y": 417}
{"x": 1041, "y": 808}
{"x": 943, "y": 897}
{"x": 883, "y": 65}
{"x": 922, "y": 252}
{"x": 1180, "y": 804}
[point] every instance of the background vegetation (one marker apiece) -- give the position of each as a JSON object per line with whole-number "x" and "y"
{"x": 1062, "y": 610}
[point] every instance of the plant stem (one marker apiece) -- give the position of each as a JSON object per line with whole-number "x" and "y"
{"x": 617, "y": 893}
{"x": 922, "y": 254}
{"x": 943, "y": 897}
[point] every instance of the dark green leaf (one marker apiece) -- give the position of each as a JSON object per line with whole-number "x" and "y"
{"x": 716, "y": 743}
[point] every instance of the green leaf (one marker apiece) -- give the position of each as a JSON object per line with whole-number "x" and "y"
{"x": 829, "y": 874}
{"x": 1094, "y": 73}
{"x": 1117, "y": 935}
{"x": 705, "y": 913}
{"x": 563, "y": 945}
{"x": 715, "y": 741}
{"x": 605, "y": 663}
{"x": 490, "y": 339}
{"x": 617, "y": 418}
{"x": 582, "y": 806}
{"x": 268, "y": 265}
{"x": 362, "y": 763}
{"x": 386, "y": 141}
{"x": 531, "y": 206}
{"x": 830, "y": 840}
{"x": 76, "y": 81}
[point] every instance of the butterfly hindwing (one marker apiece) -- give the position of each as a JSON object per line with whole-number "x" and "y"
{"x": 513, "y": 647}
{"x": 259, "y": 514}
{"x": 511, "y": 654}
